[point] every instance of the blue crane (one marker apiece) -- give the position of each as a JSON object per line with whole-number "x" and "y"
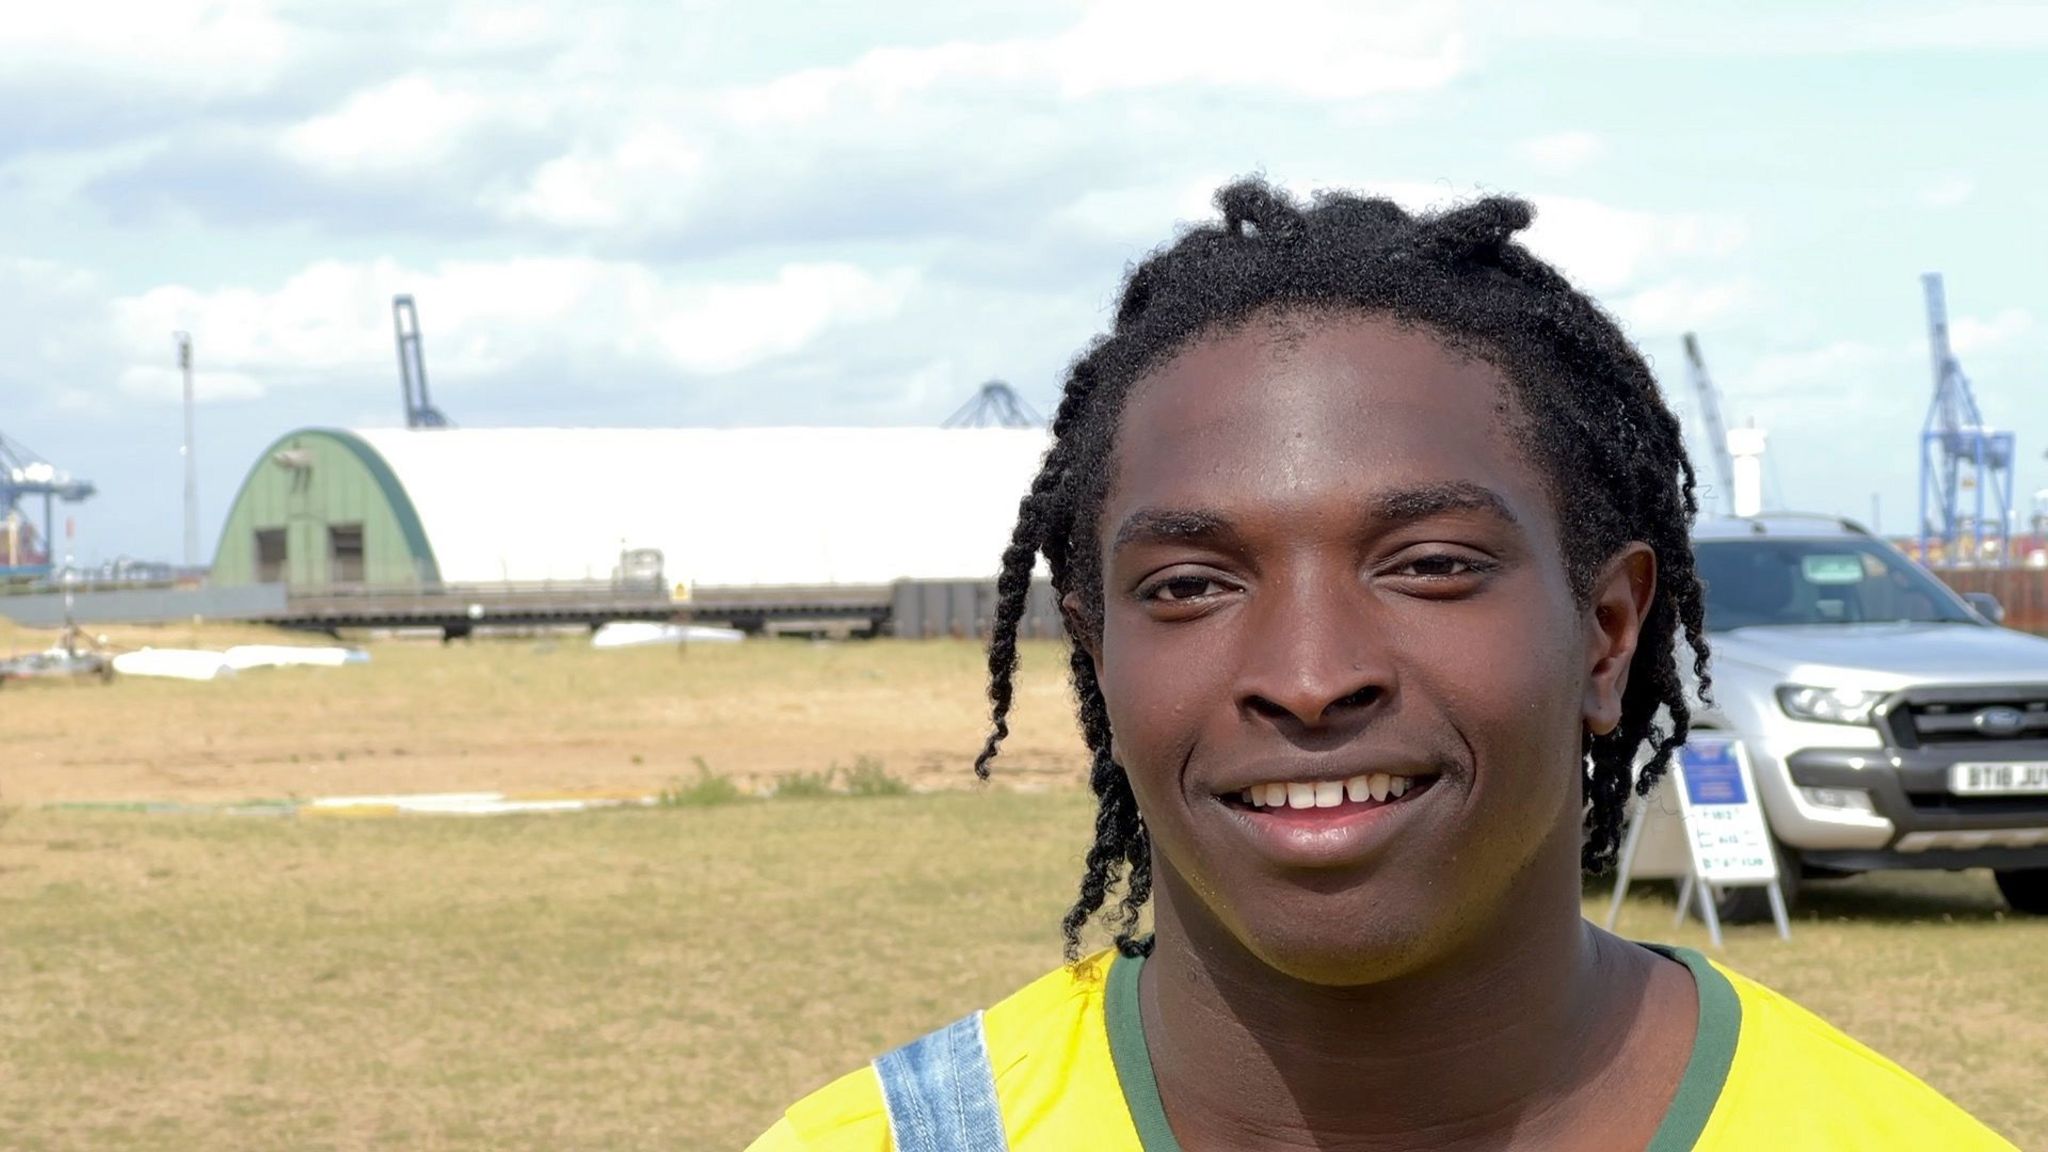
{"x": 23, "y": 476}
{"x": 996, "y": 405}
{"x": 412, "y": 366}
{"x": 1960, "y": 458}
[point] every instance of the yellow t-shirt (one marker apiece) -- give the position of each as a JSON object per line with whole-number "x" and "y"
{"x": 1072, "y": 1073}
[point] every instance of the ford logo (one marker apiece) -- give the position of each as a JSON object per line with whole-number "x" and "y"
{"x": 1999, "y": 721}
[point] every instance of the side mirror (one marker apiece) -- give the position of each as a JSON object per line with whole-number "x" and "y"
{"x": 1987, "y": 606}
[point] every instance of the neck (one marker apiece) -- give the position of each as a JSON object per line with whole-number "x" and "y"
{"x": 1469, "y": 1050}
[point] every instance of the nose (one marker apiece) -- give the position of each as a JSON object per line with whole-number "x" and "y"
{"x": 1314, "y": 658}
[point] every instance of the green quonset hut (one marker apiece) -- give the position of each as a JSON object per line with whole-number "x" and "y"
{"x": 737, "y": 507}
{"x": 323, "y": 507}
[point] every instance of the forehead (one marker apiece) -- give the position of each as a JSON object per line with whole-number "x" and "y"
{"x": 1318, "y": 404}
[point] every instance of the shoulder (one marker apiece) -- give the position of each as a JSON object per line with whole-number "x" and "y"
{"x": 1037, "y": 1025}
{"x": 843, "y": 1116}
{"x": 1798, "y": 1082}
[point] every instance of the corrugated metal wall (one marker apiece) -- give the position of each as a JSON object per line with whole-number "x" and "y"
{"x": 304, "y": 485}
{"x": 2023, "y": 592}
{"x": 924, "y": 609}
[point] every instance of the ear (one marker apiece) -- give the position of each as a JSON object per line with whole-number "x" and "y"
{"x": 1621, "y": 599}
{"x": 1088, "y": 637}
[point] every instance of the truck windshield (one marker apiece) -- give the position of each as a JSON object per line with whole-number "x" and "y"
{"x": 1761, "y": 582}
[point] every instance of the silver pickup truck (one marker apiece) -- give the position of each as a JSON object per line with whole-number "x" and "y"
{"x": 1891, "y": 723}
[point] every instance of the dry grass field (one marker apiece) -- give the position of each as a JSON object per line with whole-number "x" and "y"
{"x": 659, "y": 978}
{"x": 535, "y": 714}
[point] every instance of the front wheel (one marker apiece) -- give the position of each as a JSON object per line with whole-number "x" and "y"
{"x": 2026, "y": 889}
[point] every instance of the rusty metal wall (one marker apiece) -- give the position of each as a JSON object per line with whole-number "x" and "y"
{"x": 2023, "y": 592}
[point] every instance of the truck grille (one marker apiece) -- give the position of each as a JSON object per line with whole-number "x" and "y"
{"x": 1924, "y": 717}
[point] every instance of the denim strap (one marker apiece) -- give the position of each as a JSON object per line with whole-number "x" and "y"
{"x": 940, "y": 1092}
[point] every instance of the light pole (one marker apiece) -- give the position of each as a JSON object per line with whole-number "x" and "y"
{"x": 184, "y": 340}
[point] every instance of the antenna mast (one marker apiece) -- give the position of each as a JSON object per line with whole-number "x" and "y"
{"x": 190, "y": 453}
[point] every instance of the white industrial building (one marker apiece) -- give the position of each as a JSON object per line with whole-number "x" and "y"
{"x": 723, "y": 507}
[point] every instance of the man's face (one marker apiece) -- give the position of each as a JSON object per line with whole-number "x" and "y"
{"x": 1343, "y": 666}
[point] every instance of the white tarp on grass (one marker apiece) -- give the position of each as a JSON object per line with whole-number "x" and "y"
{"x": 245, "y": 656}
{"x": 200, "y": 664}
{"x": 642, "y": 633}
{"x": 174, "y": 663}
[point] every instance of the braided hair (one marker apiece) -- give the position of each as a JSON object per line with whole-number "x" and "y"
{"x": 1589, "y": 414}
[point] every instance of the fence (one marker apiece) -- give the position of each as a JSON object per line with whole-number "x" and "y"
{"x": 915, "y": 609}
{"x": 922, "y": 609}
{"x": 144, "y": 605}
{"x": 2022, "y": 591}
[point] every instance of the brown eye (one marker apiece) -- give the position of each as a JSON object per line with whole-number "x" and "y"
{"x": 1440, "y": 566}
{"x": 1184, "y": 588}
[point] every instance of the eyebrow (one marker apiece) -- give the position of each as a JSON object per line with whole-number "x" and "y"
{"x": 1172, "y": 524}
{"x": 1407, "y": 505}
{"x": 1401, "y": 506}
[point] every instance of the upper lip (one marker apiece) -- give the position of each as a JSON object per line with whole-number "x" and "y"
{"x": 1321, "y": 771}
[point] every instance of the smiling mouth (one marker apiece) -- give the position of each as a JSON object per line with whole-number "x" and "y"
{"x": 1364, "y": 791}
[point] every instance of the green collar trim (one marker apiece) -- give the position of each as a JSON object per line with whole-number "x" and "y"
{"x": 1706, "y": 1072}
{"x": 1132, "y": 1059}
{"x": 1713, "y": 1053}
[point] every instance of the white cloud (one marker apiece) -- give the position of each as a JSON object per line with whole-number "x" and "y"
{"x": 1357, "y": 50}
{"x": 1661, "y": 273}
{"x": 1948, "y": 191}
{"x": 1838, "y": 368}
{"x": 1141, "y": 216}
{"x": 1845, "y": 369}
{"x": 330, "y": 321}
{"x": 1969, "y": 334}
{"x": 1561, "y": 152}
{"x": 53, "y": 327}
{"x": 1681, "y": 304}
{"x": 159, "y": 384}
{"x": 404, "y": 123}
{"x": 1895, "y": 27}
{"x": 727, "y": 327}
{"x": 203, "y": 47}
{"x": 1604, "y": 247}
{"x": 654, "y": 158}
{"x": 644, "y": 180}
{"x": 1601, "y": 247}
{"x": 1782, "y": 29}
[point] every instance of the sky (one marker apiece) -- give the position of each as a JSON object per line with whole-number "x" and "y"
{"x": 784, "y": 212}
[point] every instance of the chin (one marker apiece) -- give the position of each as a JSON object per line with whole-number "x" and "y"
{"x": 1334, "y": 945}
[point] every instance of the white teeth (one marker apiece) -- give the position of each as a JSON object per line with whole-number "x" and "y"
{"x": 1376, "y": 787}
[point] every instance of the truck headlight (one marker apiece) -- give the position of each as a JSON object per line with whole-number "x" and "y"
{"x": 1828, "y": 705}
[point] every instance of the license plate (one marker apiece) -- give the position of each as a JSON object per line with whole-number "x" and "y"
{"x": 1998, "y": 779}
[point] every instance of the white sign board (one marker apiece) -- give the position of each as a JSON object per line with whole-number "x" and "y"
{"x": 1724, "y": 824}
{"x": 1727, "y": 843}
